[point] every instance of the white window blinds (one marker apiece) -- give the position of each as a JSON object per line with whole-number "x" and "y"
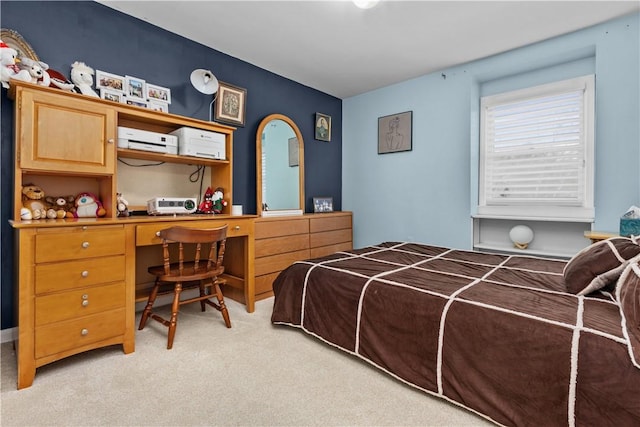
{"x": 537, "y": 150}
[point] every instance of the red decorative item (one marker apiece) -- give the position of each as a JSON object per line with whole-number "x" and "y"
{"x": 206, "y": 206}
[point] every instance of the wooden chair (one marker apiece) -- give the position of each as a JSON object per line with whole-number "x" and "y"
{"x": 175, "y": 276}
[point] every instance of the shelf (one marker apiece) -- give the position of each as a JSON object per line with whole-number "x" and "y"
{"x": 533, "y": 218}
{"x": 169, "y": 158}
{"x": 525, "y": 252}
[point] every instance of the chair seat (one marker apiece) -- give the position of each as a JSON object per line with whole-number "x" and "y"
{"x": 188, "y": 273}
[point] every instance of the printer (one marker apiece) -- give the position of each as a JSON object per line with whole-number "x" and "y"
{"x": 138, "y": 139}
{"x": 200, "y": 143}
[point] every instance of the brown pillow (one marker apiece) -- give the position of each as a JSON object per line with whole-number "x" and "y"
{"x": 628, "y": 297}
{"x": 599, "y": 264}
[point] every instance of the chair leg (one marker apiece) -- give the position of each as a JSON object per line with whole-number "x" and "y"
{"x": 202, "y": 294}
{"x": 223, "y": 307}
{"x": 175, "y": 306}
{"x": 147, "y": 309}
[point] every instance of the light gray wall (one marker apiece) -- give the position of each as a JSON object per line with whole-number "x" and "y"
{"x": 429, "y": 194}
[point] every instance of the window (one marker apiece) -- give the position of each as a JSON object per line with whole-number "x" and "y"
{"x": 536, "y": 151}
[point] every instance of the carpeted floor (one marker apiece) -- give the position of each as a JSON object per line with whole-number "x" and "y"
{"x": 254, "y": 374}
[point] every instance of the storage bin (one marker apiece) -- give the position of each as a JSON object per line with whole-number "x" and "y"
{"x": 629, "y": 226}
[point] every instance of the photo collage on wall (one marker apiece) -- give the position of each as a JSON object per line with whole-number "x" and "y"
{"x": 133, "y": 91}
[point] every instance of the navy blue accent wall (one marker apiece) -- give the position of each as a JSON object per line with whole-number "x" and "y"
{"x": 64, "y": 32}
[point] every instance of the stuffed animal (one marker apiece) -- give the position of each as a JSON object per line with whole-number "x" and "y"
{"x": 88, "y": 206}
{"x": 34, "y": 205}
{"x": 82, "y": 78}
{"x": 8, "y": 64}
{"x": 37, "y": 71}
{"x": 218, "y": 202}
{"x": 122, "y": 205}
{"x": 59, "y": 81}
{"x": 206, "y": 206}
{"x": 64, "y": 206}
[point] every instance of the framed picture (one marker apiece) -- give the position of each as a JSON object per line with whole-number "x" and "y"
{"x": 158, "y": 106}
{"x": 230, "y": 104}
{"x": 112, "y": 95}
{"x": 135, "y": 88}
{"x": 15, "y": 41}
{"x": 394, "y": 133}
{"x": 158, "y": 93}
{"x": 322, "y": 204}
{"x": 136, "y": 103}
{"x": 109, "y": 81}
{"x": 323, "y": 127}
{"x": 293, "y": 152}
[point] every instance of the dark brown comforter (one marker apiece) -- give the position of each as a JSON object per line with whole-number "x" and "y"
{"x": 496, "y": 334}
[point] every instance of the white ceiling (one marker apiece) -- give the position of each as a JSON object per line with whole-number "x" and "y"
{"x": 344, "y": 51}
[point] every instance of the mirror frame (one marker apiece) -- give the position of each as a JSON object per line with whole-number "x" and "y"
{"x": 261, "y": 127}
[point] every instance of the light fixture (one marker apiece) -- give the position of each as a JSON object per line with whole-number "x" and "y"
{"x": 521, "y": 236}
{"x": 366, "y": 4}
{"x": 205, "y": 82}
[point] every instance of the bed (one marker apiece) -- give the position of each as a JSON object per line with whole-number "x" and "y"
{"x": 518, "y": 340}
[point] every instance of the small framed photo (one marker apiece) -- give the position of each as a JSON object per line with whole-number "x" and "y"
{"x": 323, "y": 127}
{"x": 394, "y": 133}
{"x": 112, "y": 95}
{"x": 135, "y": 88}
{"x": 136, "y": 103}
{"x": 230, "y": 104}
{"x": 158, "y": 93}
{"x": 322, "y": 204}
{"x": 158, "y": 106}
{"x": 113, "y": 82}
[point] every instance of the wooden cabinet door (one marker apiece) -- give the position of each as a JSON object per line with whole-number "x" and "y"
{"x": 59, "y": 133}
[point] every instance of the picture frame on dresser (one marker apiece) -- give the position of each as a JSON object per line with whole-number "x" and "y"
{"x": 135, "y": 88}
{"x": 322, "y": 204}
{"x": 108, "y": 81}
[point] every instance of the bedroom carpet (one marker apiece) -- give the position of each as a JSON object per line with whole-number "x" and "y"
{"x": 254, "y": 374}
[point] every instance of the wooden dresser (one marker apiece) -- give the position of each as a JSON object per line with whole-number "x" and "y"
{"x": 280, "y": 241}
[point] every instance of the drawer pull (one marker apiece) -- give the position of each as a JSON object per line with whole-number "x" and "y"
{"x": 85, "y": 296}
{"x": 110, "y": 140}
{"x": 157, "y": 234}
{"x": 85, "y": 303}
{"x": 237, "y": 227}
{"x": 85, "y": 273}
{"x": 84, "y": 228}
{"x": 85, "y": 245}
{"x": 84, "y": 332}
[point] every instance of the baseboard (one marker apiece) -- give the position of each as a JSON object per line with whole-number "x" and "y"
{"x": 7, "y": 335}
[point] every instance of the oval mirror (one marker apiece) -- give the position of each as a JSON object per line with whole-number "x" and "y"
{"x": 279, "y": 167}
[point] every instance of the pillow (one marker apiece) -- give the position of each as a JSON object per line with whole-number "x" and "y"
{"x": 628, "y": 298}
{"x": 599, "y": 264}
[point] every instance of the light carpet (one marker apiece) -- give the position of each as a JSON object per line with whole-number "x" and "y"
{"x": 254, "y": 374}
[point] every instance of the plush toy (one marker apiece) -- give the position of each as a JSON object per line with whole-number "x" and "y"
{"x": 8, "y": 64}
{"x": 122, "y": 205}
{"x": 37, "y": 71}
{"x": 206, "y": 206}
{"x": 82, "y": 78}
{"x": 63, "y": 206}
{"x": 88, "y": 206}
{"x": 34, "y": 205}
{"x": 218, "y": 202}
{"x": 59, "y": 81}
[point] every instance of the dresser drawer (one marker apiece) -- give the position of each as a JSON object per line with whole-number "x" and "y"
{"x": 328, "y": 223}
{"x": 81, "y": 302}
{"x": 60, "y": 276}
{"x": 78, "y": 243}
{"x": 329, "y": 238}
{"x": 57, "y": 337}
{"x": 147, "y": 234}
{"x": 277, "y": 263}
{"x": 267, "y": 228}
{"x": 279, "y": 245}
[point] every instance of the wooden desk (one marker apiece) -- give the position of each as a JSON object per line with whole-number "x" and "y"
{"x": 76, "y": 281}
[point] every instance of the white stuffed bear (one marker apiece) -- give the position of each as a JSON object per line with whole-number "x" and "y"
{"x": 82, "y": 77}
{"x": 37, "y": 71}
{"x": 8, "y": 60}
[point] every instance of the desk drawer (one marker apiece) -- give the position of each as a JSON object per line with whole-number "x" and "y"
{"x": 75, "y": 274}
{"x": 147, "y": 234}
{"x": 78, "y": 243}
{"x": 80, "y": 302}
{"x": 67, "y": 335}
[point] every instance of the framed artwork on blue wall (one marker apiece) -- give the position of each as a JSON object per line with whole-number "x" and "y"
{"x": 230, "y": 104}
{"x": 323, "y": 127}
{"x": 394, "y": 133}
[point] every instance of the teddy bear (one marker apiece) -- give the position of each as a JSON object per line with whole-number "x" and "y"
{"x": 122, "y": 205}
{"x": 82, "y": 78}
{"x": 34, "y": 205}
{"x": 64, "y": 206}
{"x": 37, "y": 71}
{"x": 8, "y": 65}
{"x": 88, "y": 206}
